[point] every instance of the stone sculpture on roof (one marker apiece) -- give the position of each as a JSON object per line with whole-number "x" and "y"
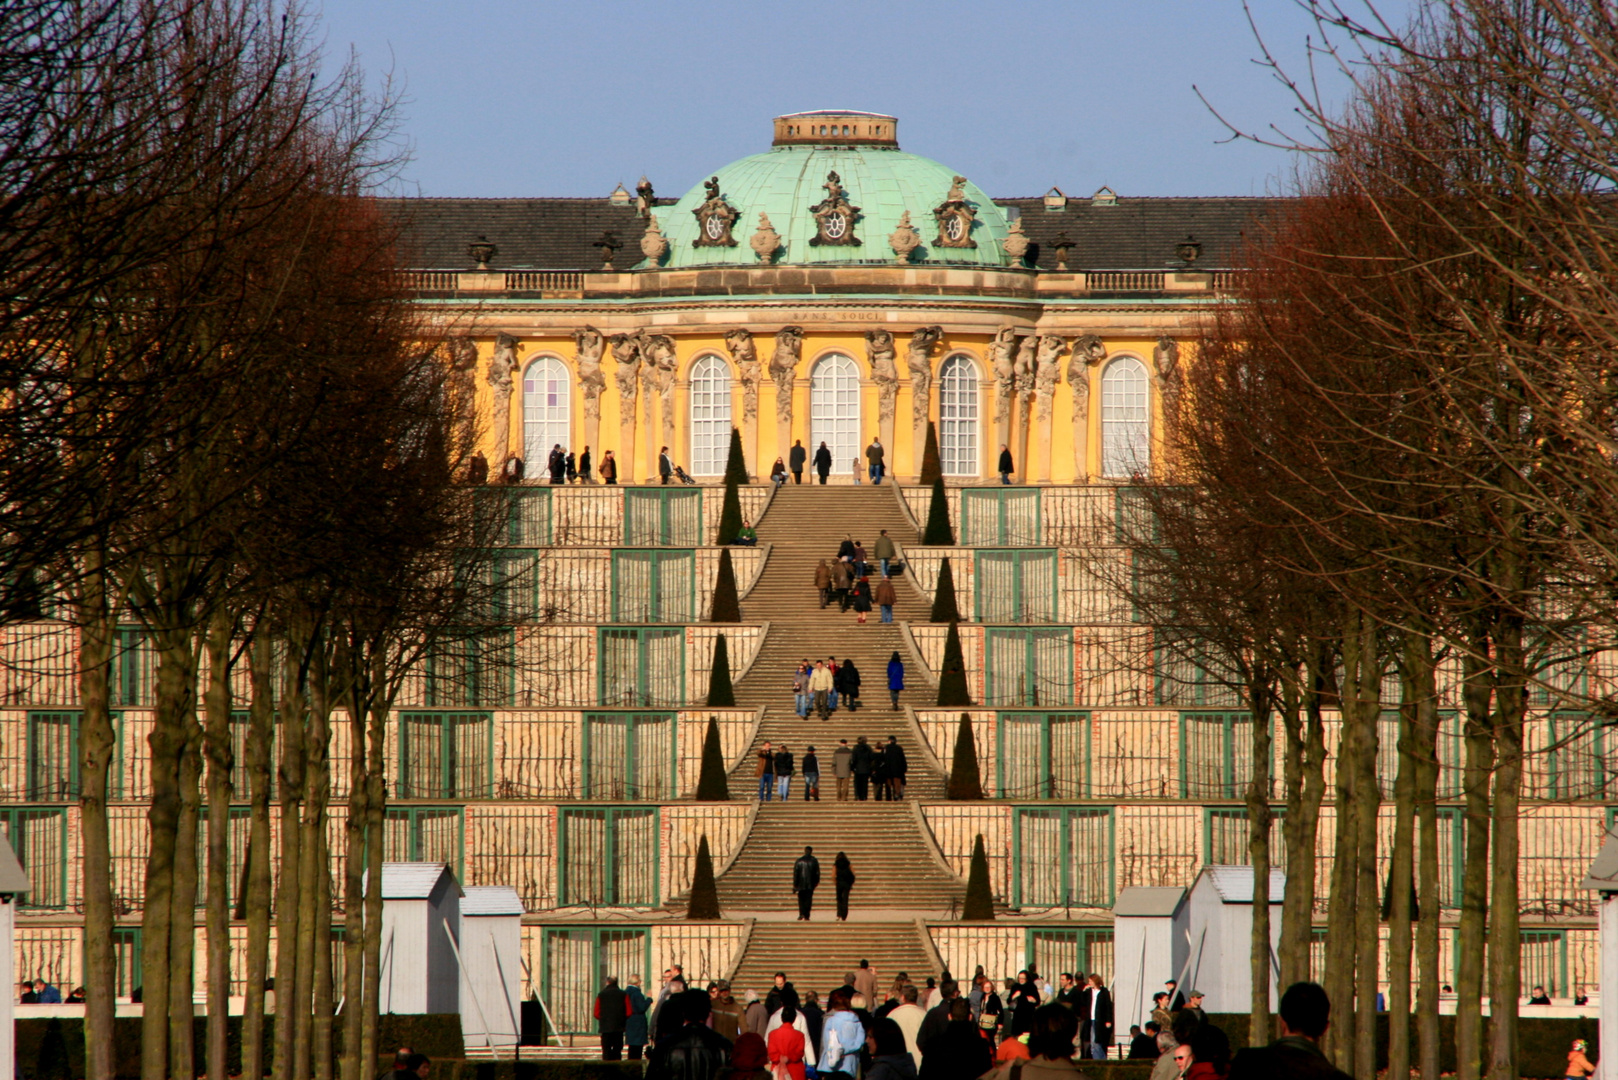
{"x": 955, "y": 217}
{"x": 644, "y": 198}
{"x": 765, "y": 241}
{"x": 715, "y": 217}
{"x": 654, "y": 245}
{"x": 904, "y": 239}
{"x": 834, "y": 216}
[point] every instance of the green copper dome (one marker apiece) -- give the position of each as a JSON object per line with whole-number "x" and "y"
{"x": 790, "y": 181}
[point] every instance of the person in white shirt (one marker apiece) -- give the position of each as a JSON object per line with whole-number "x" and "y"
{"x": 909, "y": 1015}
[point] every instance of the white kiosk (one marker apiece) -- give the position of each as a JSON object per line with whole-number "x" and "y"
{"x": 491, "y": 965}
{"x": 1218, "y": 917}
{"x": 13, "y": 882}
{"x": 1602, "y": 877}
{"x": 421, "y": 924}
{"x": 1149, "y": 947}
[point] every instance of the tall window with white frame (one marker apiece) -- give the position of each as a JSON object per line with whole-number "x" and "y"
{"x": 710, "y": 416}
{"x": 958, "y": 416}
{"x": 1126, "y": 449}
{"x": 547, "y": 400}
{"x": 834, "y": 411}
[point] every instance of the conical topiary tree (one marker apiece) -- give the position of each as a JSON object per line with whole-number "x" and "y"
{"x": 944, "y": 607}
{"x": 721, "y": 695}
{"x": 952, "y": 689}
{"x": 705, "y": 894}
{"x": 938, "y": 531}
{"x": 711, "y": 783}
{"x": 727, "y": 606}
{"x": 979, "y": 904}
{"x": 735, "y": 462}
{"x": 932, "y": 468}
{"x": 730, "y": 514}
{"x": 964, "y": 780}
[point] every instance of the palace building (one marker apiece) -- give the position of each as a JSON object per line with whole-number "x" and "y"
{"x": 832, "y": 289}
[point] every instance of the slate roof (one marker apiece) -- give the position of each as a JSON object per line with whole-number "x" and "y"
{"x": 558, "y": 234}
{"x": 490, "y": 900}
{"x": 412, "y": 880}
{"x": 1159, "y": 900}
{"x": 1139, "y": 234}
{"x": 13, "y": 878}
{"x": 1234, "y": 884}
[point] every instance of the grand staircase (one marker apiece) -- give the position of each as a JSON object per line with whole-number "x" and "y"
{"x": 816, "y": 958}
{"x": 900, "y": 874}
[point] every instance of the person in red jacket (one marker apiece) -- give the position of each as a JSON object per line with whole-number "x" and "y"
{"x": 612, "y": 1014}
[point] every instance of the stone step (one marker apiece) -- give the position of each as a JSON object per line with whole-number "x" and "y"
{"x": 816, "y": 955}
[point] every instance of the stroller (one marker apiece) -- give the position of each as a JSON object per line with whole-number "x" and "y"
{"x": 682, "y": 476}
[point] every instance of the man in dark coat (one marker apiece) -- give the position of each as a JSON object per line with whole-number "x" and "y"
{"x": 1296, "y": 1055}
{"x": 862, "y": 763}
{"x": 665, "y": 465}
{"x": 958, "y": 1052}
{"x": 823, "y": 462}
{"x": 805, "y": 878}
{"x": 795, "y": 461}
{"x": 558, "y": 464}
{"x": 612, "y": 1015}
{"x": 782, "y": 992}
{"x": 898, "y": 765}
{"x": 937, "y": 1021}
{"x": 694, "y": 1052}
{"x": 1005, "y": 470}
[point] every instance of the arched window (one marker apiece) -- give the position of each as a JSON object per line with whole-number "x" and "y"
{"x": 1125, "y": 419}
{"x": 958, "y": 416}
{"x": 710, "y": 416}
{"x": 547, "y": 400}
{"x": 834, "y": 411}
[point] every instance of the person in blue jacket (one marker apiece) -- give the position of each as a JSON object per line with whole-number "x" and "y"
{"x": 635, "y": 1028}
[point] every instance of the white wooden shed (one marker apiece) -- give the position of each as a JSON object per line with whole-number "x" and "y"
{"x": 1218, "y": 919}
{"x": 1602, "y": 877}
{"x": 1149, "y": 947}
{"x": 419, "y": 970}
{"x": 13, "y": 882}
{"x": 491, "y": 959}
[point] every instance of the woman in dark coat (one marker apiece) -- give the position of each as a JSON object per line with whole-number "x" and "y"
{"x": 860, "y": 764}
{"x": 823, "y": 462}
{"x": 862, "y": 597}
{"x": 879, "y": 773}
{"x": 584, "y": 466}
{"x": 848, "y": 684}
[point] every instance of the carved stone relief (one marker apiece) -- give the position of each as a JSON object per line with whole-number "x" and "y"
{"x": 919, "y": 359}
{"x": 1047, "y": 373}
{"x": 744, "y": 351}
{"x": 784, "y": 369}
{"x": 882, "y": 353}
{"x": 657, "y": 370}
{"x": 1001, "y": 353}
{"x": 501, "y": 367}
{"x": 714, "y": 218}
{"x": 1023, "y": 368}
{"x": 834, "y": 216}
{"x": 626, "y": 355}
{"x": 589, "y": 343}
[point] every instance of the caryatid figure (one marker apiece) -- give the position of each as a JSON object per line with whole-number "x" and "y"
{"x": 658, "y": 364}
{"x": 1166, "y": 359}
{"x": 783, "y": 371}
{"x": 1088, "y": 351}
{"x": 1047, "y": 373}
{"x": 744, "y": 353}
{"x": 501, "y": 368}
{"x": 1002, "y": 352}
{"x": 882, "y": 353}
{"x": 626, "y": 372}
{"x": 919, "y": 359}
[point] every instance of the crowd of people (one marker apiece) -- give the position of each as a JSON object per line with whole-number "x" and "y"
{"x": 881, "y": 767}
{"x": 1029, "y": 1031}
{"x": 41, "y": 992}
{"x": 846, "y": 578}
{"x": 561, "y": 466}
{"x": 874, "y": 466}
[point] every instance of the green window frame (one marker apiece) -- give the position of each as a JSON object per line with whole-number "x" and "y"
{"x": 1387, "y": 751}
{"x": 38, "y": 835}
{"x": 241, "y": 825}
{"x": 1014, "y": 585}
{"x": 126, "y": 950}
{"x": 1451, "y": 755}
{"x": 426, "y": 834}
{"x": 1081, "y": 948}
{"x": 576, "y": 960}
{"x": 609, "y": 856}
{"x": 640, "y": 667}
{"x": 1224, "y": 837}
{"x": 1451, "y": 854}
{"x": 515, "y": 516}
{"x": 1317, "y": 954}
{"x": 446, "y": 755}
{"x": 472, "y": 670}
{"x": 654, "y": 585}
{"x": 1062, "y": 856}
{"x": 1001, "y": 517}
{"x": 512, "y": 585}
{"x": 53, "y": 756}
{"x": 1543, "y": 955}
{"x": 1563, "y": 683}
{"x": 133, "y": 679}
{"x": 1028, "y": 667}
{"x": 1216, "y": 754}
{"x": 1577, "y": 766}
{"x": 1133, "y": 521}
{"x": 1184, "y": 676}
{"x": 1042, "y": 755}
{"x": 630, "y": 755}
{"x": 663, "y": 517}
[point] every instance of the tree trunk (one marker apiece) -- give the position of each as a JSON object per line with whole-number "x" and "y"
{"x": 183, "y": 921}
{"x": 1401, "y": 884}
{"x": 218, "y": 751}
{"x": 315, "y": 925}
{"x": 1366, "y": 678}
{"x": 167, "y": 743}
{"x": 1294, "y": 950}
{"x": 287, "y": 908}
{"x": 376, "y": 813}
{"x": 1423, "y": 692}
{"x": 97, "y": 747}
{"x": 1477, "y": 691}
{"x": 1505, "y": 959}
{"x": 1258, "y": 849}
{"x": 1341, "y": 911}
{"x": 255, "y": 905}
{"x": 354, "y": 834}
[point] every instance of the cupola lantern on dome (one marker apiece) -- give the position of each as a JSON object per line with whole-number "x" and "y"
{"x": 836, "y": 127}
{"x": 834, "y": 188}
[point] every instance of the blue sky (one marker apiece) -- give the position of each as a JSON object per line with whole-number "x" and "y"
{"x": 514, "y": 98}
